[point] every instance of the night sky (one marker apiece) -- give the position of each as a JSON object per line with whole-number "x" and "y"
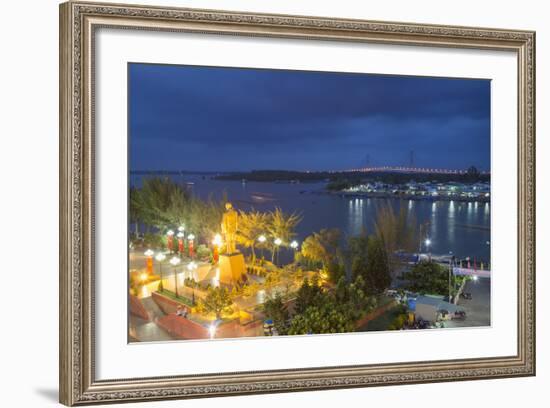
{"x": 232, "y": 119}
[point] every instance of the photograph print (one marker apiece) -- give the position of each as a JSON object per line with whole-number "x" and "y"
{"x": 267, "y": 202}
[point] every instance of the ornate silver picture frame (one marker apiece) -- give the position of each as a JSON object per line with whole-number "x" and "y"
{"x": 78, "y": 24}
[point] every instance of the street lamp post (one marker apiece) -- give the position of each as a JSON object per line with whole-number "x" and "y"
{"x": 192, "y": 267}
{"x": 294, "y": 245}
{"x": 428, "y": 242}
{"x": 160, "y": 257}
{"x": 419, "y": 241}
{"x": 261, "y": 240}
{"x": 450, "y": 271}
{"x": 175, "y": 262}
{"x": 278, "y": 243}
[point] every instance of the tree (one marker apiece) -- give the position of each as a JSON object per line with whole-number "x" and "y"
{"x": 397, "y": 232}
{"x": 369, "y": 262}
{"x": 205, "y": 217}
{"x": 309, "y": 294}
{"x": 135, "y": 209}
{"x": 281, "y": 226}
{"x": 161, "y": 203}
{"x": 323, "y": 318}
{"x": 429, "y": 277}
{"x": 337, "y": 311}
{"x": 358, "y": 300}
{"x": 352, "y": 298}
{"x": 217, "y": 301}
{"x": 323, "y": 247}
{"x": 275, "y": 309}
{"x": 272, "y": 278}
{"x": 377, "y": 273}
{"x": 358, "y": 254}
{"x": 157, "y": 199}
{"x": 251, "y": 225}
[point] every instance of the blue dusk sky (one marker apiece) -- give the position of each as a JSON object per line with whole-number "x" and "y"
{"x": 235, "y": 119}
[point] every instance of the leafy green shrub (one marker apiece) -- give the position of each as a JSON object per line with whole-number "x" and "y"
{"x": 203, "y": 252}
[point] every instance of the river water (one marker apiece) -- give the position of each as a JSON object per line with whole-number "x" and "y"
{"x": 460, "y": 228}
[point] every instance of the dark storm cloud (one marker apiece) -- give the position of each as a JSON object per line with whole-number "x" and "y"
{"x": 200, "y": 118}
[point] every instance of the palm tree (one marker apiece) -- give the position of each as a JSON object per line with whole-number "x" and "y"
{"x": 322, "y": 246}
{"x": 251, "y": 226}
{"x": 281, "y": 226}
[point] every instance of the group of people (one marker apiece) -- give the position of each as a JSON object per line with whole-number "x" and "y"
{"x": 181, "y": 311}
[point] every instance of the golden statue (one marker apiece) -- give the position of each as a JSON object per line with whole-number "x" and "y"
{"x": 230, "y": 222}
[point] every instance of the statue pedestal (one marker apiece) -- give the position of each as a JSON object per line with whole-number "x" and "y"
{"x": 232, "y": 268}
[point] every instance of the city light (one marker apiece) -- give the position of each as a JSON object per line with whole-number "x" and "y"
{"x": 149, "y": 252}
{"x": 181, "y": 228}
{"x": 428, "y": 242}
{"x": 191, "y": 267}
{"x": 216, "y": 278}
{"x": 170, "y": 233}
{"x": 160, "y": 257}
{"x": 180, "y": 235}
{"x": 217, "y": 240}
{"x": 261, "y": 296}
{"x": 190, "y": 237}
{"x": 143, "y": 277}
{"x": 278, "y": 241}
{"x": 294, "y": 244}
{"x": 175, "y": 261}
{"x": 262, "y": 238}
{"x": 475, "y": 278}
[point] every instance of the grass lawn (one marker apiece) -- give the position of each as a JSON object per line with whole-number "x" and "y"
{"x": 383, "y": 321}
{"x": 172, "y": 295}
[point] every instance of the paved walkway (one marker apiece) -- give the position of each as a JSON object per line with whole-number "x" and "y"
{"x": 148, "y": 330}
{"x": 152, "y": 308}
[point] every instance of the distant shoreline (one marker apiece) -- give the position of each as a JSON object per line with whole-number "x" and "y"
{"x": 295, "y": 176}
{"x": 414, "y": 197}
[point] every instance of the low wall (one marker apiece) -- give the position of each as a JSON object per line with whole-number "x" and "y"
{"x": 186, "y": 329}
{"x": 234, "y": 329}
{"x": 168, "y": 305}
{"x": 137, "y": 308}
{"x": 183, "y": 328}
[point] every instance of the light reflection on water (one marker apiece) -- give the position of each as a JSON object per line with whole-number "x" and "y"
{"x": 356, "y": 214}
{"x": 460, "y": 227}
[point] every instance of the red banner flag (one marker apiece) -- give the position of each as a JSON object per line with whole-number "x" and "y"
{"x": 191, "y": 249}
